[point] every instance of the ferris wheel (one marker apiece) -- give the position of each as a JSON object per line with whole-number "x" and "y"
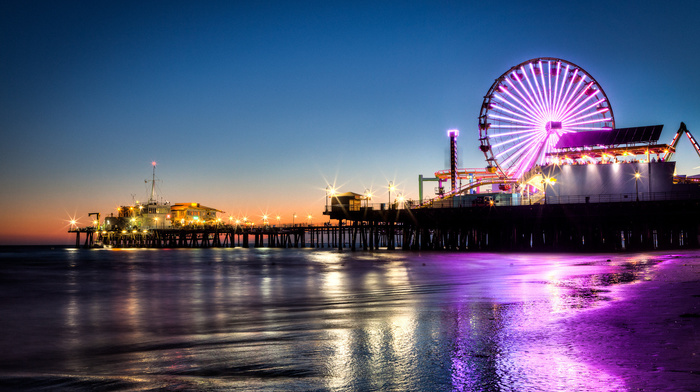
{"x": 529, "y": 107}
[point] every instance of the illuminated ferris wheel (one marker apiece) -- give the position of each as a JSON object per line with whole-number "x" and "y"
{"x": 530, "y": 106}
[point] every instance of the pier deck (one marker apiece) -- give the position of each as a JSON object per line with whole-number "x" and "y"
{"x": 587, "y": 227}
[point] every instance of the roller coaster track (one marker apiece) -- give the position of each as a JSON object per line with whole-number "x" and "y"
{"x": 471, "y": 185}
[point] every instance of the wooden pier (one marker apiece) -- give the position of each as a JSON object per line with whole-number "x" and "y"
{"x": 357, "y": 236}
{"x": 584, "y": 227}
{"x": 580, "y": 227}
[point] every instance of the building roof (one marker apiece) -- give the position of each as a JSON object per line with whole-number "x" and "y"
{"x": 349, "y": 194}
{"x": 613, "y": 137}
{"x": 191, "y": 206}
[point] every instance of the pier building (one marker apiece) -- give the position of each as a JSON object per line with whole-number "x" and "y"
{"x": 187, "y": 214}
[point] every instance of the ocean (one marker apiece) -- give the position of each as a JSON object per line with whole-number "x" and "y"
{"x": 303, "y": 319}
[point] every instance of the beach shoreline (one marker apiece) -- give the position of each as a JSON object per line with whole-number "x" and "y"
{"x": 649, "y": 335}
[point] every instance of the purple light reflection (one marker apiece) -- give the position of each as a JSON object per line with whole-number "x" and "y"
{"x": 512, "y": 339}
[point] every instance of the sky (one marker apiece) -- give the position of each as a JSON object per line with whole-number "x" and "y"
{"x": 254, "y": 107}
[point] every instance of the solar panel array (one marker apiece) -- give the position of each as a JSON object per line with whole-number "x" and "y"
{"x": 613, "y": 137}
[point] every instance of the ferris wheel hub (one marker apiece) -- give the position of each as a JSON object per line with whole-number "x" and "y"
{"x": 552, "y": 125}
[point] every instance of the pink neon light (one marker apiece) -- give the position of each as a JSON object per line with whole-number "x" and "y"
{"x": 526, "y": 107}
{"x": 528, "y": 117}
{"x": 535, "y": 104}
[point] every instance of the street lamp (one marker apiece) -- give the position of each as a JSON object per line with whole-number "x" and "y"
{"x": 330, "y": 193}
{"x": 637, "y": 175}
{"x": 278, "y": 221}
{"x": 391, "y": 188}
{"x": 368, "y": 196}
{"x": 293, "y": 216}
{"x": 310, "y": 221}
{"x": 548, "y": 181}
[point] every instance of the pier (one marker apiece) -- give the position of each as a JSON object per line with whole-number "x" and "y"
{"x": 578, "y": 227}
{"x": 359, "y": 235}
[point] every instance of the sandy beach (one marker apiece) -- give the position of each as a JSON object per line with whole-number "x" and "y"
{"x": 648, "y": 335}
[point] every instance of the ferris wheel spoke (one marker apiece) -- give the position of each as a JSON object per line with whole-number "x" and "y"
{"x": 536, "y": 90}
{"x": 508, "y": 126}
{"x": 590, "y": 128}
{"x": 556, "y": 86}
{"x": 514, "y": 146}
{"x": 568, "y": 114}
{"x": 543, "y": 89}
{"x": 537, "y": 106}
{"x": 548, "y": 90}
{"x": 509, "y": 119}
{"x": 539, "y": 89}
{"x": 506, "y": 110}
{"x": 502, "y": 106}
{"x": 576, "y": 93}
{"x": 534, "y": 155}
{"x": 497, "y": 146}
{"x": 589, "y": 122}
{"x": 586, "y": 112}
{"x": 534, "y": 106}
{"x": 565, "y": 97}
{"x": 557, "y": 101}
{"x": 564, "y": 82}
{"x": 528, "y": 130}
{"x": 520, "y": 105}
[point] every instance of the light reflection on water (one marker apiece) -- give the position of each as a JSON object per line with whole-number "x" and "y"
{"x": 269, "y": 319}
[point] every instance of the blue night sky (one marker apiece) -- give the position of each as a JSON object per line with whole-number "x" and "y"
{"x": 252, "y": 107}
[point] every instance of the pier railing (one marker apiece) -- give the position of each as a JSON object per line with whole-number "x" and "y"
{"x": 497, "y": 201}
{"x": 623, "y": 197}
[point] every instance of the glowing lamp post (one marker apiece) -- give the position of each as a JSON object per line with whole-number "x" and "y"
{"x": 310, "y": 221}
{"x": 391, "y": 188}
{"x": 368, "y": 196}
{"x": 637, "y": 175}
{"x": 548, "y": 181}
{"x": 278, "y": 221}
{"x": 330, "y": 193}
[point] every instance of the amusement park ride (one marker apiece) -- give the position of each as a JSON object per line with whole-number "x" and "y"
{"x": 547, "y": 111}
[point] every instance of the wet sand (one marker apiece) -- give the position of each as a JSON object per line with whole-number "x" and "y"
{"x": 649, "y": 335}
